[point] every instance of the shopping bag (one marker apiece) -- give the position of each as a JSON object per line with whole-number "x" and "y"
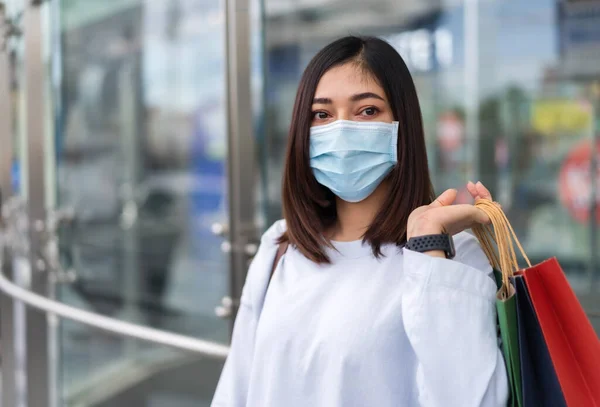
{"x": 572, "y": 343}
{"x": 573, "y": 346}
{"x": 539, "y": 383}
{"x": 506, "y": 307}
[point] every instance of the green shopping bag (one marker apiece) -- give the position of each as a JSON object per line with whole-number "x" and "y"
{"x": 505, "y": 265}
{"x": 506, "y": 306}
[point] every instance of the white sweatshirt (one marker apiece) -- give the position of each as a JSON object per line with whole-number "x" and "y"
{"x": 407, "y": 329}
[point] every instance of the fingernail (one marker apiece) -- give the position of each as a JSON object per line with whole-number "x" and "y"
{"x": 479, "y": 183}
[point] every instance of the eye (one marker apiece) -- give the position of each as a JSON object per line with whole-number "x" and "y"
{"x": 369, "y": 111}
{"x": 320, "y": 115}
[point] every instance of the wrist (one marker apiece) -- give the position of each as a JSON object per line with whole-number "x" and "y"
{"x": 438, "y": 244}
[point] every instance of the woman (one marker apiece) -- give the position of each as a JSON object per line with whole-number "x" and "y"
{"x": 371, "y": 304}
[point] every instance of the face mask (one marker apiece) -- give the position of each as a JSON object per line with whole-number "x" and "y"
{"x": 352, "y": 158}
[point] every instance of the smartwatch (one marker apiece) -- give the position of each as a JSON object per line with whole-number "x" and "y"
{"x": 428, "y": 243}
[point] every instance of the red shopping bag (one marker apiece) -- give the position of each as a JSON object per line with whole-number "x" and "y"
{"x": 572, "y": 343}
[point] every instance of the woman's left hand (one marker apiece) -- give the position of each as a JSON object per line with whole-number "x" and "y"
{"x": 442, "y": 217}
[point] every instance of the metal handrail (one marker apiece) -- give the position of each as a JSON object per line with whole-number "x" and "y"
{"x": 113, "y": 325}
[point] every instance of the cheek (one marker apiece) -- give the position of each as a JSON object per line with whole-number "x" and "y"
{"x": 386, "y": 116}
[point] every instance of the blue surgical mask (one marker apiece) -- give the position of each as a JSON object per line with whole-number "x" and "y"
{"x": 352, "y": 158}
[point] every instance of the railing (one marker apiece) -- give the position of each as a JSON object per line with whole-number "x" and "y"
{"x": 121, "y": 328}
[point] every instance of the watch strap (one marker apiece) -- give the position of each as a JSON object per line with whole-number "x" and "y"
{"x": 427, "y": 243}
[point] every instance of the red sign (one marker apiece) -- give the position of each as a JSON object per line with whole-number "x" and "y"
{"x": 574, "y": 186}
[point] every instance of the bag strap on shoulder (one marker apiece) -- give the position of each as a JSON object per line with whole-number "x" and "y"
{"x": 281, "y": 249}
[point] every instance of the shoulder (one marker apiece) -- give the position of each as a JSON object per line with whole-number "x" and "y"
{"x": 470, "y": 253}
{"x": 259, "y": 272}
{"x": 270, "y": 237}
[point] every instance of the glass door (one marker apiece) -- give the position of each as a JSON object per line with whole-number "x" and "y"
{"x": 141, "y": 161}
{"x": 136, "y": 157}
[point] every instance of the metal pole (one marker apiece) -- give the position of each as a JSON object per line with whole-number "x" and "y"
{"x": 130, "y": 148}
{"x": 241, "y": 144}
{"x": 6, "y": 117}
{"x": 7, "y": 313}
{"x": 38, "y": 373}
{"x": 471, "y": 83}
{"x": 55, "y": 109}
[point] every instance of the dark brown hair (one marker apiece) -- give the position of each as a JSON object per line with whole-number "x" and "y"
{"x": 308, "y": 207}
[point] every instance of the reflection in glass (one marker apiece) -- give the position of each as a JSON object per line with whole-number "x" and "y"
{"x": 152, "y": 376}
{"x": 510, "y": 108}
{"x": 141, "y": 149}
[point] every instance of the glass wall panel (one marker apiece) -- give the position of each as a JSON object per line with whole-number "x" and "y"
{"x": 141, "y": 152}
{"x": 152, "y": 375}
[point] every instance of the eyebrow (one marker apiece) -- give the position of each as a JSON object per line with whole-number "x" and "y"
{"x": 366, "y": 95}
{"x": 353, "y": 98}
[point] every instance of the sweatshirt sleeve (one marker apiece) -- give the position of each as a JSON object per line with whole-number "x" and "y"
{"x": 450, "y": 319}
{"x": 232, "y": 390}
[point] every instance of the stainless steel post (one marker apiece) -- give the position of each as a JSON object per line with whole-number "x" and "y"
{"x": 130, "y": 150}
{"x": 38, "y": 372}
{"x": 241, "y": 144}
{"x": 471, "y": 82}
{"x": 7, "y": 333}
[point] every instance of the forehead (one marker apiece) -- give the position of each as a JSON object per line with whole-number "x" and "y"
{"x": 341, "y": 82}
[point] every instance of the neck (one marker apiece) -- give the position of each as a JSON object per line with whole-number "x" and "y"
{"x": 353, "y": 219}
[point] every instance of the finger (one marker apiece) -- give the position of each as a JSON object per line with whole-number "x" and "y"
{"x": 470, "y": 215}
{"x": 473, "y": 190}
{"x": 481, "y": 217}
{"x": 466, "y": 214}
{"x": 445, "y": 199}
{"x": 483, "y": 192}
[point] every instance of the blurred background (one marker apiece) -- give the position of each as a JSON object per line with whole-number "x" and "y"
{"x": 160, "y": 127}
